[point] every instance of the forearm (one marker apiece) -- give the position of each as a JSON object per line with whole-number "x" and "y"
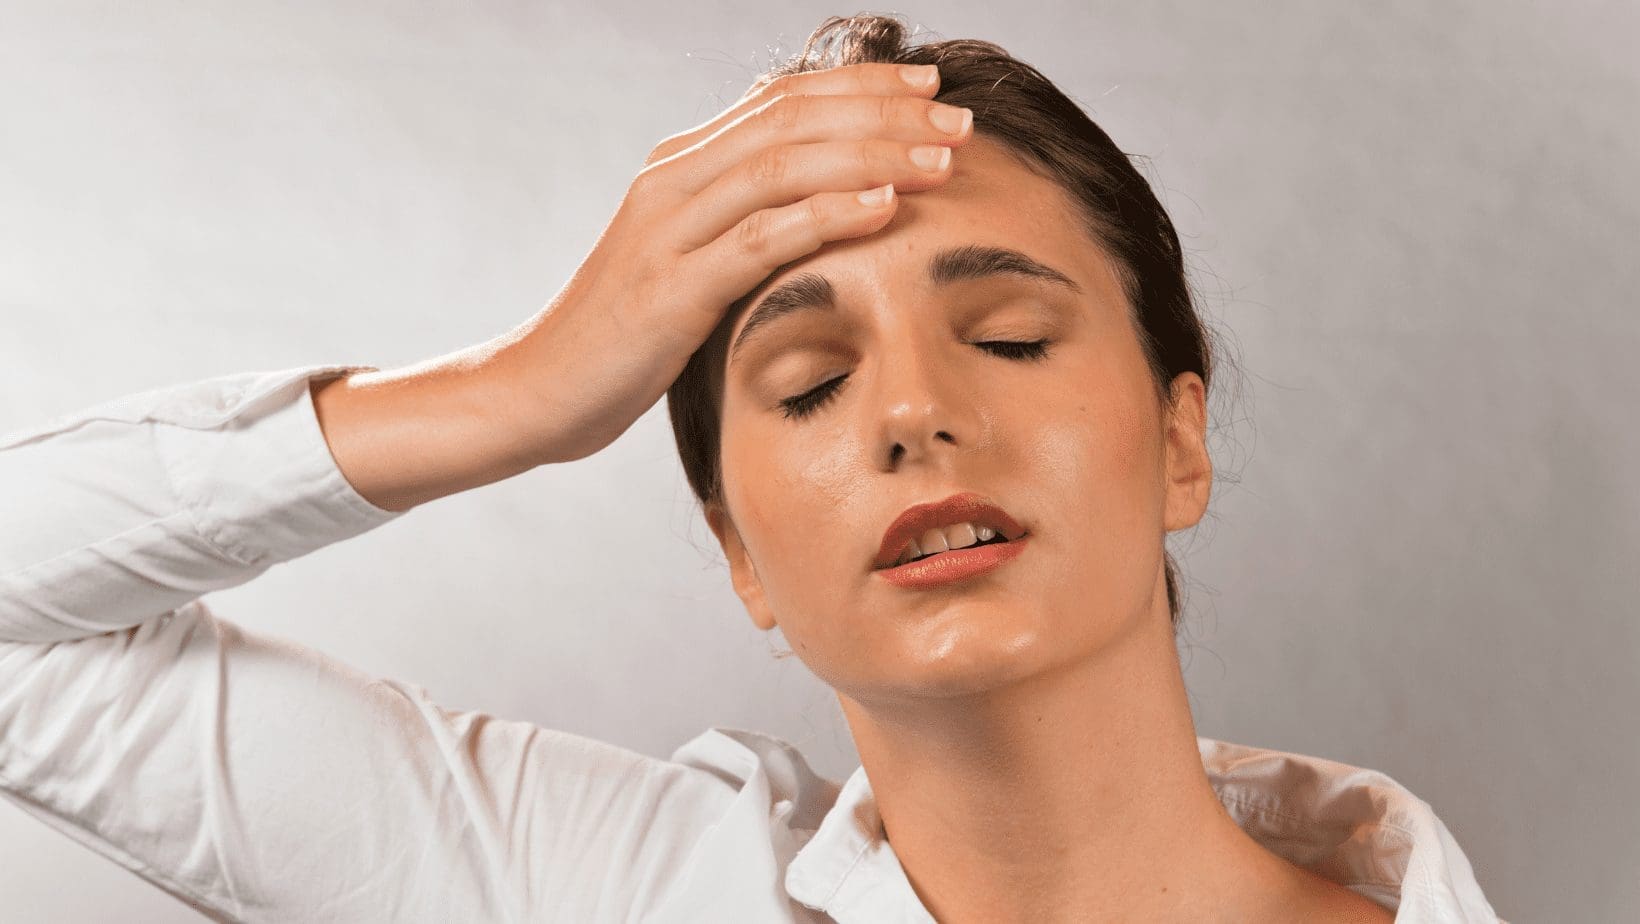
{"x": 406, "y": 436}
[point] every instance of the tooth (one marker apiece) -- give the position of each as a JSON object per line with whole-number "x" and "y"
{"x": 933, "y": 541}
{"x": 956, "y": 536}
{"x": 909, "y": 552}
{"x": 960, "y": 536}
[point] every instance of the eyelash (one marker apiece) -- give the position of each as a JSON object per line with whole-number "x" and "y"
{"x": 800, "y": 406}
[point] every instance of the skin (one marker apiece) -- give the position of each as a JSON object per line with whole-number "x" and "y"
{"x": 1026, "y": 733}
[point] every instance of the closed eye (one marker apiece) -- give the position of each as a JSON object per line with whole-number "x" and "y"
{"x": 800, "y": 406}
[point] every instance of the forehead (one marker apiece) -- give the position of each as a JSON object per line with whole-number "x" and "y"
{"x": 988, "y": 175}
{"x": 991, "y": 198}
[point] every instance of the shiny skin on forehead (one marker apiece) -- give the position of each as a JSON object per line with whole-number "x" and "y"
{"x": 991, "y": 198}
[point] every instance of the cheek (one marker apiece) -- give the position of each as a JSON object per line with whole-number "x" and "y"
{"x": 1095, "y": 460}
{"x": 806, "y": 510}
{"x": 1100, "y": 434}
{"x": 798, "y": 500}
{"x": 1095, "y": 477}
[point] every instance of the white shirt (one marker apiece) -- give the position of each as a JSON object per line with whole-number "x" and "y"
{"x": 258, "y": 780}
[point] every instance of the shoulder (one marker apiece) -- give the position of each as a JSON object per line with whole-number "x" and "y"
{"x": 1356, "y": 827}
{"x": 1321, "y": 899}
{"x": 772, "y": 766}
{"x": 1317, "y": 898}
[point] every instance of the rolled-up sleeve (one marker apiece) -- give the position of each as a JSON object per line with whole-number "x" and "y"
{"x": 251, "y": 777}
{"x": 127, "y": 510}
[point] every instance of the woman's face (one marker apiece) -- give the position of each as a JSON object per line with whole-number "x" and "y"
{"x": 1073, "y": 445}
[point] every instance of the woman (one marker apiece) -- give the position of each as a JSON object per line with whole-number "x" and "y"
{"x": 995, "y": 350}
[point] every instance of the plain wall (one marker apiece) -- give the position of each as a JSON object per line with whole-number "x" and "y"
{"x": 1413, "y": 223}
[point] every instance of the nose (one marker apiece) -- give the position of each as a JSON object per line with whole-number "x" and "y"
{"x": 925, "y": 410}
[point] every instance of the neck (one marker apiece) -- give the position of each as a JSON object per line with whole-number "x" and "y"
{"x": 1072, "y": 794}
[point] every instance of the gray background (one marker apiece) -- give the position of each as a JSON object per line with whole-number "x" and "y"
{"x": 1413, "y": 222}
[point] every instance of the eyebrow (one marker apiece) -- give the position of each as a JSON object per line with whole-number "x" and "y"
{"x": 809, "y": 291}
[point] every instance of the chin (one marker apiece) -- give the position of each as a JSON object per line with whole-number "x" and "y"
{"x": 963, "y": 651}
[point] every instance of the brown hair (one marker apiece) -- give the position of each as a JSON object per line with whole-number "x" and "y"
{"x": 1016, "y": 105}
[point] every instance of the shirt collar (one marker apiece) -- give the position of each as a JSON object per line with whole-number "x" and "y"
{"x": 848, "y": 869}
{"x": 1357, "y": 827}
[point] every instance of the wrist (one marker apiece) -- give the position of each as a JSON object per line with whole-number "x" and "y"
{"x": 409, "y": 435}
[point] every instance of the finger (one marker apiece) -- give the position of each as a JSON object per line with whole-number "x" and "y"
{"x": 783, "y": 175}
{"x": 763, "y": 241}
{"x": 872, "y": 79}
{"x": 797, "y": 120}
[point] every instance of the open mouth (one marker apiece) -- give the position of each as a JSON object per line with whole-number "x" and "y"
{"x": 998, "y": 539}
{"x": 954, "y": 566}
{"x": 960, "y": 526}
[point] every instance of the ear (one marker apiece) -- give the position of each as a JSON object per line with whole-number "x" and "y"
{"x": 742, "y": 573}
{"x": 1189, "y": 470}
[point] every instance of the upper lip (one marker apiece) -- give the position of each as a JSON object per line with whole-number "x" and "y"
{"x": 967, "y": 507}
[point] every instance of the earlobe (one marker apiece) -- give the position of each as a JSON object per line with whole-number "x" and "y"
{"x": 742, "y": 573}
{"x": 1189, "y": 469}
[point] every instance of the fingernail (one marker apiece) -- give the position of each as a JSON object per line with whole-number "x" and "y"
{"x": 876, "y": 197}
{"x": 931, "y": 156}
{"x": 919, "y": 75}
{"x": 950, "y": 119}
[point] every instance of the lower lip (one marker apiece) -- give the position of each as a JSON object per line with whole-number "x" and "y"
{"x": 950, "y": 567}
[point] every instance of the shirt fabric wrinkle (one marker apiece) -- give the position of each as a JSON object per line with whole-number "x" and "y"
{"x": 322, "y": 794}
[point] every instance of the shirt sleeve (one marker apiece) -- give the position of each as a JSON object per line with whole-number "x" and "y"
{"x": 253, "y": 778}
{"x": 129, "y": 509}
